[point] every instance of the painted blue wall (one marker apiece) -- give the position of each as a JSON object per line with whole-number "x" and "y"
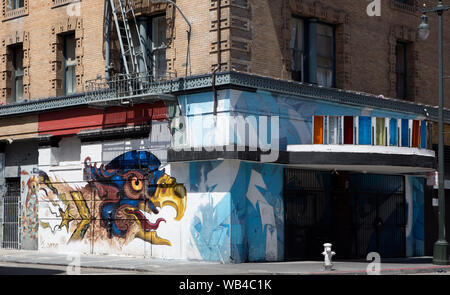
{"x": 246, "y": 224}
{"x": 295, "y": 114}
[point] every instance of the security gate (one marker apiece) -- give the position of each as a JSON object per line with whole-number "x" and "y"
{"x": 379, "y": 215}
{"x": 11, "y": 215}
{"x": 306, "y": 227}
{"x": 357, "y": 213}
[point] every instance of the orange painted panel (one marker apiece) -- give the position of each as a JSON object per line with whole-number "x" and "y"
{"x": 318, "y": 129}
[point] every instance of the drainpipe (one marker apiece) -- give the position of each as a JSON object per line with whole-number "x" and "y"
{"x": 214, "y": 90}
{"x": 219, "y": 37}
{"x": 219, "y": 58}
{"x": 107, "y": 40}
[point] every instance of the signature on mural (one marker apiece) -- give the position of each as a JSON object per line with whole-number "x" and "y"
{"x": 118, "y": 201}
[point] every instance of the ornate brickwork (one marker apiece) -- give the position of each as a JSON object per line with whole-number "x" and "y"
{"x": 231, "y": 28}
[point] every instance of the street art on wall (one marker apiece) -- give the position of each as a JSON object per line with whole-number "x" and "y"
{"x": 30, "y": 203}
{"x": 118, "y": 201}
{"x": 239, "y": 217}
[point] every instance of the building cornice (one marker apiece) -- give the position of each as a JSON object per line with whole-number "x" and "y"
{"x": 165, "y": 91}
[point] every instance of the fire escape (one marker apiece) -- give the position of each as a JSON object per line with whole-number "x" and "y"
{"x": 135, "y": 80}
{"x": 131, "y": 54}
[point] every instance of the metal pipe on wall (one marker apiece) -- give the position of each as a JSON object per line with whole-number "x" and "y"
{"x": 107, "y": 40}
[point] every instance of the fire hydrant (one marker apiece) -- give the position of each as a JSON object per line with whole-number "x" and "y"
{"x": 328, "y": 255}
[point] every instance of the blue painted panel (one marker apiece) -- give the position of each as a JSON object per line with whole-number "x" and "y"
{"x": 365, "y": 130}
{"x": 423, "y": 134}
{"x": 405, "y": 132}
{"x": 393, "y": 130}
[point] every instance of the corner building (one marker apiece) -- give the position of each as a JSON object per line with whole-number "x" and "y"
{"x": 228, "y": 131}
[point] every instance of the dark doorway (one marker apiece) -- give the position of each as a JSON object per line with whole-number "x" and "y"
{"x": 357, "y": 213}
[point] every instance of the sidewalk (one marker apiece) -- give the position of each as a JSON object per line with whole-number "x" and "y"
{"x": 181, "y": 267}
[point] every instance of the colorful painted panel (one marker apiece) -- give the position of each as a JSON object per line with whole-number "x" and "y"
{"x": 415, "y": 133}
{"x": 380, "y": 133}
{"x": 393, "y": 132}
{"x": 423, "y": 134}
{"x": 365, "y": 130}
{"x": 318, "y": 129}
{"x": 405, "y": 132}
{"x": 295, "y": 115}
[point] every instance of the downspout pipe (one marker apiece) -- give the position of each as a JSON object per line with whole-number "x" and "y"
{"x": 214, "y": 90}
{"x": 219, "y": 37}
{"x": 107, "y": 40}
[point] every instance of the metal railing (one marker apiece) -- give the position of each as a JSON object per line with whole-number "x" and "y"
{"x": 122, "y": 85}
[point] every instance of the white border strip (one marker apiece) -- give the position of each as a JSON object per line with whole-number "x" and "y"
{"x": 367, "y": 149}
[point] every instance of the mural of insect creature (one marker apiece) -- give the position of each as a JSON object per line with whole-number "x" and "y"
{"x": 122, "y": 196}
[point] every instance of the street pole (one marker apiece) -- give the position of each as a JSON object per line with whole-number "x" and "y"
{"x": 440, "y": 253}
{"x": 440, "y": 250}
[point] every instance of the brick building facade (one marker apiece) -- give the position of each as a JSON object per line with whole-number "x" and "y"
{"x": 251, "y": 33}
{"x": 97, "y": 141}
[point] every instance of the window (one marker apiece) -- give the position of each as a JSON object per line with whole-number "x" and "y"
{"x": 325, "y": 55}
{"x": 14, "y": 4}
{"x": 312, "y": 52}
{"x": 297, "y": 49}
{"x": 152, "y": 36}
{"x": 158, "y": 46}
{"x": 69, "y": 64}
{"x": 17, "y": 58}
{"x": 408, "y": 2}
{"x": 14, "y": 8}
{"x": 401, "y": 70}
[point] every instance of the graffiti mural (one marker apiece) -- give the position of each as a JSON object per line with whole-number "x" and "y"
{"x": 30, "y": 203}
{"x": 118, "y": 202}
{"x": 239, "y": 218}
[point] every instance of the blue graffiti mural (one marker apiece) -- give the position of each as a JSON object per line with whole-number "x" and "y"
{"x": 246, "y": 224}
